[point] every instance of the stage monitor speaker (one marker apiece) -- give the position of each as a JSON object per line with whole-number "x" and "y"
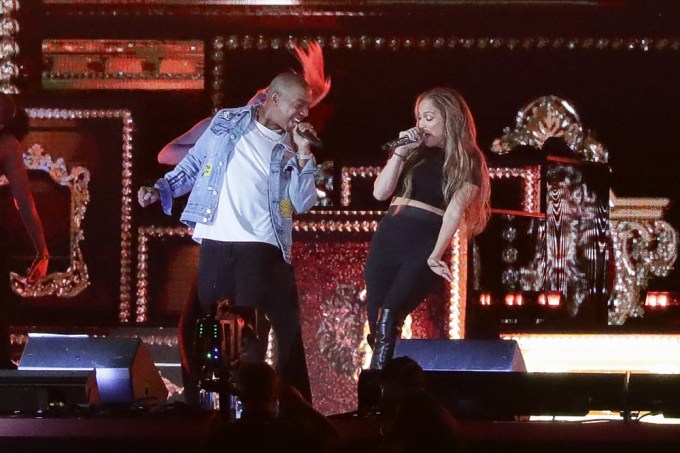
{"x": 124, "y": 371}
{"x": 490, "y": 395}
{"x": 38, "y": 391}
{"x": 654, "y": 393}
{"x": 463, "y": 355}
{"x": 504, "y": 396}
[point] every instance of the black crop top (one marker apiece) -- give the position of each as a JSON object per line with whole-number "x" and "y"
{"x": 428, "y": 174}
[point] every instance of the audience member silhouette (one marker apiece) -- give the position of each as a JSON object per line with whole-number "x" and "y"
{"x": 414, "y": 420}
{"x": 421, "y": 424}
{"x": 296, "y": 410}
{"x": 268, "y": 423}
{"x": 399, "y": 378}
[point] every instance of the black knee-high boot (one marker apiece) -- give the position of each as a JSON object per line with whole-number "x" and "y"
{"x": 387, "y": 331}
{"x": 372, "y": 321}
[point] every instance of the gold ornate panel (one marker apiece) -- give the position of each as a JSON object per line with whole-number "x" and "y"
{"x": 645, "y": 246}
{"x": 122, "y": 64}
{"x": 145, "y": 234}
{"x": 347, "y": 174}
{"x": 9, "y": 69}
{"x": 75, "y": 279}
{"x": 546, "y": 117}
{"x": 127, "y": 127}
{"x": 223, "y": 44}
{"x": 531, "y": 184}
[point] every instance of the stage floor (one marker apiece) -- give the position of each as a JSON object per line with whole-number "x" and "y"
{"x": 183, "y": 433}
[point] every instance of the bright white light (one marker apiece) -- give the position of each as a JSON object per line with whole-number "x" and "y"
{"x": 600, "y": 353}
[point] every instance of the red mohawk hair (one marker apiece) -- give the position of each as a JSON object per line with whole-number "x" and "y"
{"x": 313, "y": 71}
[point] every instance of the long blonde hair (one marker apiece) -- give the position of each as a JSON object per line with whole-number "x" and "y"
{"x": 462, "y": 155}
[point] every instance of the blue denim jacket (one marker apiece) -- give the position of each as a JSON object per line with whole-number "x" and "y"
{"x": 202, "y": 172}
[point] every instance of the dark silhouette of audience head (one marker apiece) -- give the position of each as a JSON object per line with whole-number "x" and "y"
{"x": 297, "y": 411}
{"x": 399, "y": 378}
{"x": 257, "y": 386}
{"x": 414, "y": 420}
{"x": 274, "y": 418}
{"x": 422, "y": 424}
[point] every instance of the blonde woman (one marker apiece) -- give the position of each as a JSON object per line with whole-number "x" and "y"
{"x": 437, "y": 180}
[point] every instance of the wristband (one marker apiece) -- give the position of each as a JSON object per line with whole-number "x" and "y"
{"x": 304, "y": 156}
{"x": 403, "y": 158}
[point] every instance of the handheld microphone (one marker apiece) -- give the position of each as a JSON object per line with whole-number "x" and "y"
{"x": 313, "y": 139}
{"x": 401, "y": 141}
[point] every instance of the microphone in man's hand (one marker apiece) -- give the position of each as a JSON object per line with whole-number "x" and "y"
{"x": 309, "y": 136}
{"x": 397, "y": 142}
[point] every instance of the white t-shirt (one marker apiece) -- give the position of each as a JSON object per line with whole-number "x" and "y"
{"x": 243, "y": 208}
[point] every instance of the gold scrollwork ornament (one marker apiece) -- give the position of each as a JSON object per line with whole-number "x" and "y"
{"x": 75, "y": 279}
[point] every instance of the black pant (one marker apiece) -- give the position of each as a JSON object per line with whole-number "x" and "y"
{"x": 254, "y": 274}
{"x": 397, "y": 274}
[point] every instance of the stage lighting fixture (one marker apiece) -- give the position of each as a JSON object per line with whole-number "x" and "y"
{"x": 550, "y": 299}
{"x": 514, "y": 299}
{"x": 660, "y": 300}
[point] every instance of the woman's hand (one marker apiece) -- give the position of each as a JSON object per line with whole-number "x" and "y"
{"x": 416, "y": 140}
{"x": 440, "y": 268}
{"x": 38, "y": 269}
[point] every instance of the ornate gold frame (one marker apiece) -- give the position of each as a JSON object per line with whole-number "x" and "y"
{"x": 126, "y": 187}
{"x": 9, "y": 50}
{"x": 644, "y": 246}
{"x": 222, "y": 44}
{"x": 654, "y": 248}
{"x": 546, "y": 117}
{"x": 123, "y": 64}
{"x": 349, "y": 173}
{"x": 531, "y": 184}
{"x": 144, "y": 234}
{"x": 75, "y": 279}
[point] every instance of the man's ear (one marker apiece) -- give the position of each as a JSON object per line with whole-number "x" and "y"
{"x": 275, "y": 96}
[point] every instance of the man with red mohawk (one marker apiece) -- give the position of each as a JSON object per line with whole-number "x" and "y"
{"x": 247, "y": 171}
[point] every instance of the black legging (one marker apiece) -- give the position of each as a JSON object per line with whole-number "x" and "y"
{"x": 397, "y": 274}
{"x": 254, "y": 274}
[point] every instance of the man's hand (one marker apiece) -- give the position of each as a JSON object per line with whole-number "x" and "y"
{"x": 147, "y": 195}
{"x": 302, "y": 143}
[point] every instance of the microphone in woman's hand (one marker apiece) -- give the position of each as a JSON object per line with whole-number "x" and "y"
{"x": 397, "y": 142}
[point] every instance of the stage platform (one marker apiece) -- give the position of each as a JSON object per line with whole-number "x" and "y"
{"x": 183, "y": 432}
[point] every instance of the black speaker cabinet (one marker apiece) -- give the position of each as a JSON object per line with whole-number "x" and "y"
{"x": 463, "y": 355}
{"x": 124, "y": 371}
{"x": 37, "y": 391}
{"x": 654, "y": 393}
{"x": 503, "y": 396}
